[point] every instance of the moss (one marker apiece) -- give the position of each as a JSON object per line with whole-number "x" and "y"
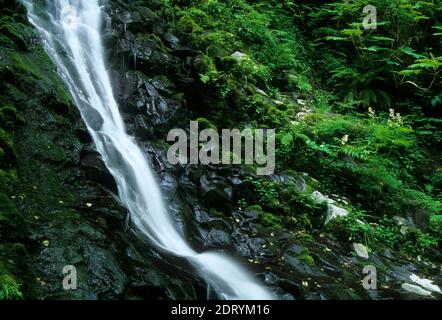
{"x": 307, "y": 258}
{"x": 9, "y": 288}
{"x": 205, "y": 124}
{"x": 8, "y": 155}
{"x": 148, "y": 40}
{"x": 29, "y": 81}
{"x": 15, "y": 276}
{"x": 7, "y": 180}
{"x": 270, "y": 220}
{"x": 32, "y": 70}
{"x": 8, "y": 117}
{"x": 253, "y": 208}
{"x": 14, "y": 34}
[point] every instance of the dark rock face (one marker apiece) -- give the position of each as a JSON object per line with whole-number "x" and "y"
{"x": 76, "y": 219}
{"x": 95, "y": 169}
{"x": 66, "y": 198}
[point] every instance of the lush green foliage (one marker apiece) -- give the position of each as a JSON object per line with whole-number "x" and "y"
{"x": 369, "y": 125}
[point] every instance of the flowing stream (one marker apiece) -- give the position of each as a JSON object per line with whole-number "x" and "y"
{"x": 71, "y": 33}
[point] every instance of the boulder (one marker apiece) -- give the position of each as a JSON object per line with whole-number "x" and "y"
{"x": 239, "y": 56}
{"x": 334, "y": 212}
{"x": 361, "y": 250}
{"x": 216, "y": 193}
{"x": 218, "y": 239}
{"x": 416, "y": 289}
{"x": 95, "y": 170}
{"x": 425, "y": 283}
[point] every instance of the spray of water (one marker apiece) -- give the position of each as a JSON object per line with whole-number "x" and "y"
{"x": 71, "y": 32}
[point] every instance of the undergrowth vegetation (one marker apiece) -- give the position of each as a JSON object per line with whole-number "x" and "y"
{"x": 358, "y": 109}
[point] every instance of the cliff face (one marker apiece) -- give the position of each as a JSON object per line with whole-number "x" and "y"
{"x": 58, "y": 202}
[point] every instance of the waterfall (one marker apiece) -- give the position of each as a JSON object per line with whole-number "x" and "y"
{"x": 71, "y": 33}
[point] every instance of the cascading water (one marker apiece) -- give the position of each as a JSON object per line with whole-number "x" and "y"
{"x": 70, "y": 30}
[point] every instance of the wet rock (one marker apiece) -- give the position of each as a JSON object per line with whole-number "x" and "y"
{"x": 216, "y": 193}
{"x": 301, "y": 185}
{"x": 425, "y": 283}
{"x": 253, "y": 212}
{"x": 173, "y": 40}
{"x": 95, "y": 121}
{"x": 218, "y": 239}
{"x": 125, "y": 85}
{"x": 289, "y": 290}
{"x": 416, "y": 289}
{"x": 83, "y": 134}
{"x": 329, "y": 263}
{"x": 361, "y": 250}
{"x": 283, "y": 179}
{"x": 334, "y": 212}
{"x": 164, "y": 85}
{"x": 142, "y": 129}
{"x": 149, "y": 60}
{"x": 302, "y": 268}
{"x": 95, "y": 170}
{"x": 146, "y": 100}
{"x": 319, "y": 198}
{"x": 417, "y": 215}
{"x": 105, "y": 272}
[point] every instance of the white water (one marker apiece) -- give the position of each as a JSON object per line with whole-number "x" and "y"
{"x": 71, "y": 32}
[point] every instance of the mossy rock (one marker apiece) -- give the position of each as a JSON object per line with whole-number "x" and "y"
{"x": 307, "y": 258}
{"x": 270, "y": 220}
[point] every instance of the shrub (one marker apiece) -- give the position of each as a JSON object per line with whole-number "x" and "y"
{"x": 436, "y": 225}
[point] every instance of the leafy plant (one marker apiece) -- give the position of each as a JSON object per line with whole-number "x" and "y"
{"x": 266, "y": 190}
{"x": 9, "y": 288}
